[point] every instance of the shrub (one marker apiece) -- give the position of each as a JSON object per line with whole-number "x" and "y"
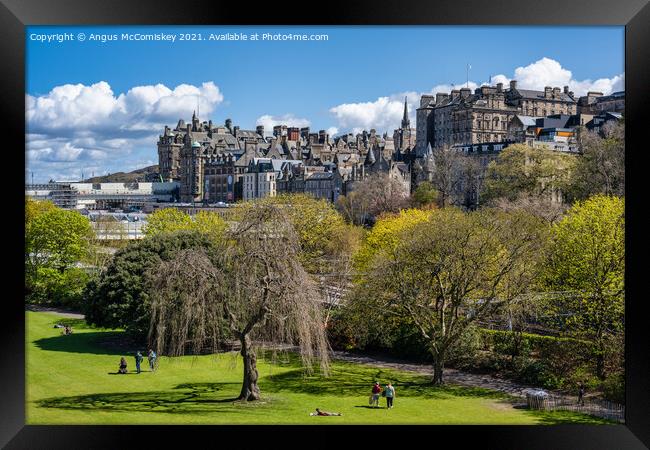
{"x": 118, "y": 298}
{"x": 58, "y": 288}
{"x": 613, "y": 387}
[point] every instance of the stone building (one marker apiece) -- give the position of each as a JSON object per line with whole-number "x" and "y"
{"x": 404, "y": 137}
{"x": 595, "y": 103}
{"x": 466, "y": 118}
{"x": 224, "y": 163}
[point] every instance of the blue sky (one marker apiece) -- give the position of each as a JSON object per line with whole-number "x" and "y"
{"x": 84, "y": 113}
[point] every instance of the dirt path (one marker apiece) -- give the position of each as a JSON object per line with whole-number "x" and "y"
{"x": 62, "y": 312}
{"x": 450, "y": 375}
{"x": 567, "y": 402}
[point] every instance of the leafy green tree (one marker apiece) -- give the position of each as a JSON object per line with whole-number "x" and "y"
{"x": 318, "y": 225}
{"x": 424, "y": 195}
{"x": 445, "y": 273}
{"x": 210, "y": 224}
{"x": 167, "y": 220}
{"x": 56, "y": 238}
{"x": 118, "y": 298}
{"x": 34, "y": 208}
{"x": 522, "y": 169}
{"x": 53, "y": 287}
{"x": 386, "y": 235}
{"x": 587, "y": 267}
{"x": 601, "y": 167}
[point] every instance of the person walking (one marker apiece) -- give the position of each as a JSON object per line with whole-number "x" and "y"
{"x": 389, "y": 393}
{"x": 152, "y": 360}
{"x": 376, "y": 390}
{"x": 581, "y": 393}
{"x": 138, "y": 360}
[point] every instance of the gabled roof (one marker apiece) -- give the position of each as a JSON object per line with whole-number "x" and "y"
{"x": 527, "y": 121}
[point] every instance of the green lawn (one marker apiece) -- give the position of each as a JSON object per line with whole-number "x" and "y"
{"x": 71, "y": 380}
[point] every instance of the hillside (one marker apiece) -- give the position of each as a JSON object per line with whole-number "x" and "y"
{"x": 122, "y": 177}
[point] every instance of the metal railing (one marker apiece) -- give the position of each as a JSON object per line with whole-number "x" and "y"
{"x": 595, "y": 407}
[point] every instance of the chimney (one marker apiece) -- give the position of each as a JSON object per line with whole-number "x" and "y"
{"x": 556, "y": 92}
{"x": 465, "y": 92}
{"x": 455, "y": 93}
{"x": 235, "y": 130}
{"x": 440, "y": 97}
{"x": 499, "y": 87}
{"x": 260, "y": 130}
{"x": 513, "y": 84}
{"x": 547, "y": 91}
{"x": 566, "y": 89}
{"x": 425, "y": 100}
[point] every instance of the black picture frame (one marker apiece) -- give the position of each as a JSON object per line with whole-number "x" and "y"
{"x": 633, "y": 14}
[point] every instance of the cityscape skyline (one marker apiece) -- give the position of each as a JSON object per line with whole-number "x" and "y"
{"x": 96, "y": 108}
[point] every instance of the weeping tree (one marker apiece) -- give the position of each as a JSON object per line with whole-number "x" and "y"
{"x": 252, "y": 287}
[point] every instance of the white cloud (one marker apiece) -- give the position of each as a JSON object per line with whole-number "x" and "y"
{"x": 380, "y": 114}
{"x": 269, "y": 121}
{"x": 77, "y": 107}
{"x": 75, "y": 124}
{"x": 332, "y": 131}
{"x": 385, "y": 113}
{"x": 549, "y": 72}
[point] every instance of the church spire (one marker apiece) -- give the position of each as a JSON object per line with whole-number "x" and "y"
{"x": 405, "y": 120}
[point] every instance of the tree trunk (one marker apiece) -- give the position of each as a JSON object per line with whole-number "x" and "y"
{"x": 249, "y": 390}
{"x": 438, "y": 366}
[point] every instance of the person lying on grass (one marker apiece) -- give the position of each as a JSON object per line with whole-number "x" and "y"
{"x": 324, "y": 413}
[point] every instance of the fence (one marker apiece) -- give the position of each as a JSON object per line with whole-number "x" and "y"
{"x": 594, "y": 407}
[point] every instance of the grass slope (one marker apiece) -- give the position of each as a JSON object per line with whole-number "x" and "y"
{"x": 71, "y": 380}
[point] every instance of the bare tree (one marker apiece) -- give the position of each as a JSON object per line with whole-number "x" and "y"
{"x": 542, "y": 207}
{"x": 601, "y": 169}
{"x": 379, "y": 193}
{"x": 253, "y": 288}
{"x": 447, "y": 174}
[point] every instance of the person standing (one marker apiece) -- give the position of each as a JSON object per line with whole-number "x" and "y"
{"x": 389, "y": 391}
{"x": 152, "y": 360}
{"x": 376, "y": 390}
{"x": 138, "y": 360}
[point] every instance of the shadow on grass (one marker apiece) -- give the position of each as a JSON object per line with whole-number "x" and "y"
{"x": 354, "y": 380}
{"x": 183, "y": 399}
{"x": 566, "y": 417}
{"x": 94, "y": 342}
